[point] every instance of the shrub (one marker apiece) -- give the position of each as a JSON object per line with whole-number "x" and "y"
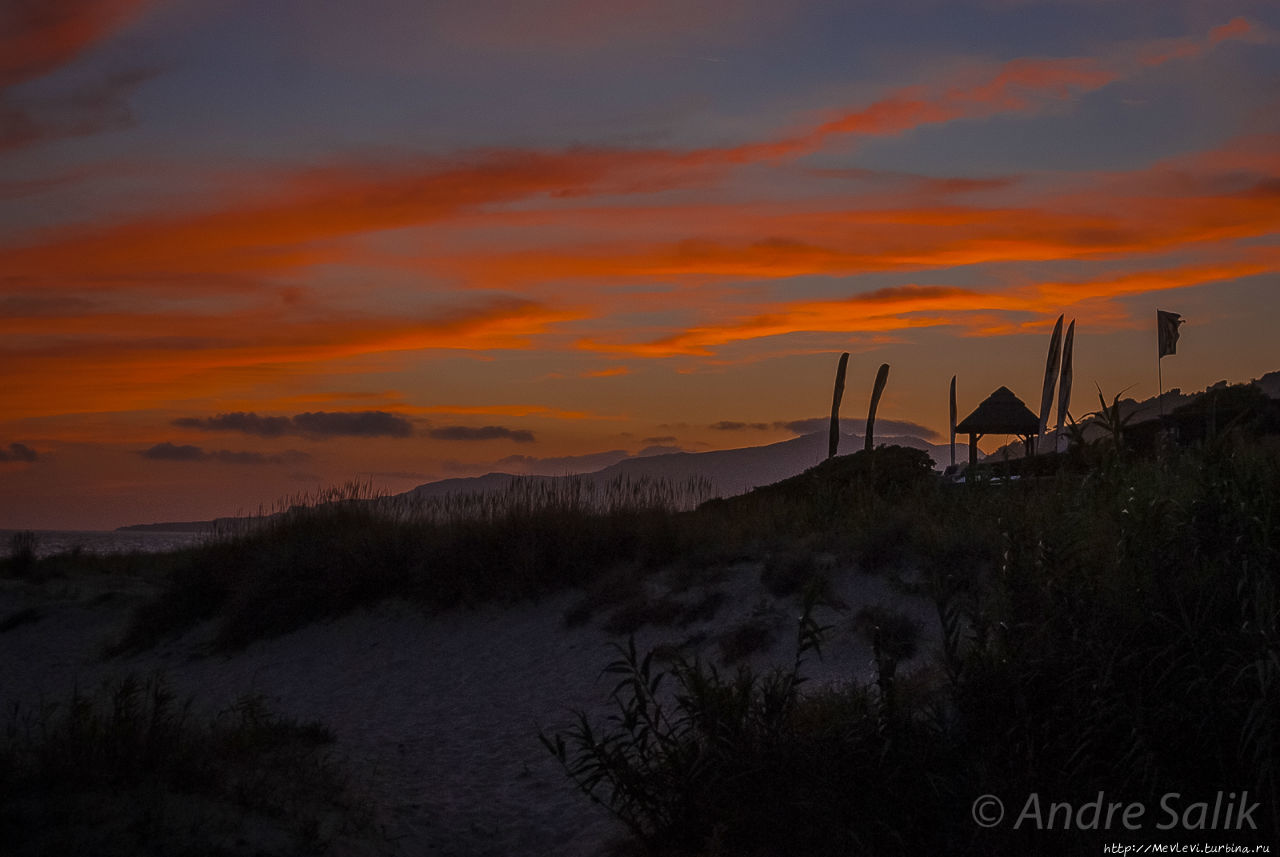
{"x": 695, "y": 761}
{"x": 130, "y": 770}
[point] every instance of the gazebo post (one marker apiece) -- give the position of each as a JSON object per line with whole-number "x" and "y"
{"x": 973, "y": 448}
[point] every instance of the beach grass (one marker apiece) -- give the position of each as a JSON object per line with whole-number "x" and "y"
{"x": 130, "y": 769}
{"x": 325, "y": 555}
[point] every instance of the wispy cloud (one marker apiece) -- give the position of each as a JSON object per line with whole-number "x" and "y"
{"x": 472, "y": 433}
{"x": 735, "y": 425}
{"x": 142, "y": 359}
{"x": 167, "y": 451}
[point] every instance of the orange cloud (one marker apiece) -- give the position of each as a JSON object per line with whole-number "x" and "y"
{"x": 307, "y": 218}
{"x": 882, "y": 310}
{"x": 1161, "y": 51}
{"x": 299, "y": 219}
{"x": 1261, "y": 261}
{"x": 1236, "y": 28}
{"x": 78, "y": 364}
{"x": 909, "y": 307}
{"x": 753, "y": 242}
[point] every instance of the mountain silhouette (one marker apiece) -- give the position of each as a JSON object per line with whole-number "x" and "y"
{"x": 730, "y": 471}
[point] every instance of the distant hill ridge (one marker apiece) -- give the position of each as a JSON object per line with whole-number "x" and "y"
{"x": 732, "y": 471}
{"x": 729, "y": 471}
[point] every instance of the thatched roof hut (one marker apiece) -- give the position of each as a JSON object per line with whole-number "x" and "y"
{"x": 1000, "y": 413}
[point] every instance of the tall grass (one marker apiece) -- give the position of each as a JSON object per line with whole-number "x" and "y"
{"x": 325, "y": 554}
{"x": 22, "y": 553}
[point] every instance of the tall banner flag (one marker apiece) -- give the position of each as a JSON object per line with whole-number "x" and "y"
{"x": 1167, "y": 327}
{"x": 1051, "y": 374}
{"x": 1064, "y": 382}
{"x": 1167, "y": 324}
{"x": 883, "y": 375}
{"x": 834, "y": 443}
{"x": 953, "y": 420}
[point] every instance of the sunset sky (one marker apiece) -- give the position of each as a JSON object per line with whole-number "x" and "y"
{"x": 251, "y": 248}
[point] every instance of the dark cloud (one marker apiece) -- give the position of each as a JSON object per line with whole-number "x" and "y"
{"x": 249, "y": 423}
{"x": 18, "y": 452}
{"x": 481, "y": 433}
{"x": 43, "y": 306}
{"x": 172, "y": 452}
{"x": 289, "y": 456}
{"x": 859, "y": 426}
{"x": 731, "y": 425}
{"x": 169, "y": 452}
{"x": 664, "y": 439}
{"x": 314, "y": 424}
{"x": 354, "y": 424}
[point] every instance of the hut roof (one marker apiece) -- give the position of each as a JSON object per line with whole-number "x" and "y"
{"x": 1000, "y": 413}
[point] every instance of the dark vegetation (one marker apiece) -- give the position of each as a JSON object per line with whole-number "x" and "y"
{"x": 130, "y": 770}
{"x": 1109, "y": 629}
{"x": 324, "y": 558}
{"x": 1111, "y": 625}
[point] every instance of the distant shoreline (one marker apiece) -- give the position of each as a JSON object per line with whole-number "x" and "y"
{"x": 169, "y": 527}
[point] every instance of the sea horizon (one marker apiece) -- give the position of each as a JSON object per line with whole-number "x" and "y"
{"x": 54, "y": 542}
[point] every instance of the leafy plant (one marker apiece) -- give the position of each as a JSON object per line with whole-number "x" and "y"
{"x": 1112, "y": 420}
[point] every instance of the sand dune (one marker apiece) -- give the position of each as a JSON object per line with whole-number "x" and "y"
{"x": 436, "y": 716}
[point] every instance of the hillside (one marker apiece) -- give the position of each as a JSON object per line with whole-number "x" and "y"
{"x": 730, "y": 471}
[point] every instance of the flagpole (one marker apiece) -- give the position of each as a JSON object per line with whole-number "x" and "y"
{"x": 1160, "y": 367}
{"x": 1160, "y": 376}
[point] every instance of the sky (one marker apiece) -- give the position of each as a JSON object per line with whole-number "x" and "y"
{"x": 253, "y": 248}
